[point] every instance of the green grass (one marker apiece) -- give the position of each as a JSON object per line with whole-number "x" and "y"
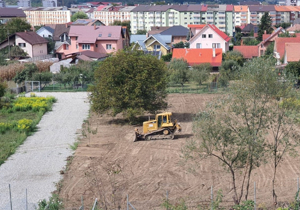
{"x": 15, "y": 116}
{"x": 61, "y": 88}
{"x": 195, "y": 88}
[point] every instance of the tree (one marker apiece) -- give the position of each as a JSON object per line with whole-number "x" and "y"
{"x": 26, "y": 73}
{"x": 43, "y": 77}
{"x": 181, "y": 45}
{"x": 201, "y": 72}
{"x": 287, "y": 34}
{"x": 122, "y": 23}
{"x": 234, "y": 129}
{"x": 265, "y": 25}
{"x": 294, "y": 69}
{"x": 130, "y": 83}
{"x": 250, "y": 41}
{"x": 2, "y": 89}
{"x": 230, "y": 69}
{"x": 178, "y": 71}
{"x": 270, "y": 50}
{"x": 235, "y": 56}
{"x": 79, "y": 15}
{"x": 17, "y": 52}
{"x": 12, "y": 26}
{"x": 167, "y": 57}
{"x": 142, "y": 32}
{"x": 50, "y": 45}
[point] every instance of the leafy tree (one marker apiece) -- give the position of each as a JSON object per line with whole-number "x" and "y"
{"x": 2, "y": 89}
{"x": 142, "y": 32}
{"x": 160, "y": 3}
{"x": 201, "y": 72}
{"x": 167, "y": 57}
{"x": 50, "y": 45}
{"x": 122, "y": 23}
{"x": 17, "y": 52}
{"x": 26, "y": 73}
{"x": 270, "y": 50}
{"x": 286, "y": 34}
{"x": 130, "y": 4}
{"x": 79, "y": 15}
{"x": 265, "y": 25}
{"x": 235, "y": 56}
{"x": 12, "y": 26}
{"x": 234, "y": 129}
{"x": 43, "y": 77}
{"x": 283, "y": 25}
{"x": 294, "y": 69}
{"x": 131, "y": 83}
{"x": 251, "y": 42}
{"x": 178, "y": 71}
{"x": 230, "y": 69}
{"x": 181, "y": 45}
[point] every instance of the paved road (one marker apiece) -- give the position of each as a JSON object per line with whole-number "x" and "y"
{"x": 37, "y": 163}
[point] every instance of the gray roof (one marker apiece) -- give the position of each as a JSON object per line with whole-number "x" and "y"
{"x": 12, "y": 12}
{"x": 162, "y": 39}
{"x": 163, "y": 8}
{"x": 49, "y": 29}
{"x": 261, "y": 8}
{"x": 134, "y": 38}
{"x": 176, "y": 31}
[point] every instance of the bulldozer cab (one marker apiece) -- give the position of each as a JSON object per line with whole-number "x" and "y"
{"x": 162, "y": 120}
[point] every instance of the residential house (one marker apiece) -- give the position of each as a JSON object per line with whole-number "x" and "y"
{"x": 61, "y": 32}
{"x": 267, "y": 40}
{"x": 126, "y": 39}
{"x": 250, "y": 28}
{"x": 291, "y": 52}
{"x": 137, "y": 42}
{"x": 293, "y": 28}
{"x": 88, "y": 22}
{"x": 31, "y": 43}
{"x": 159, "y": 42}
{"x": 46, "y": 32}
{"x": 178, "y": 33}
{"x": 157, "y": 30}
{"x": 38, "y": 16}
{"x": 240, "y": 15}
{"x": 199, "y": 56}
{"x": 280, "y": 43}
{"x": 101, "y": 39}
{"x": 208, "y": 37}
{"x": 248, "y": 52}
{"x": 8, "y": 13}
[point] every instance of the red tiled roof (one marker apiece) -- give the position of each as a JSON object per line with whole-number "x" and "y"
{"x": 101, "y": 7}
{"x": 280, "y": 43}
{"x": 265, "y": 36}
{"x": 196, "y": 26}
{"x": 198, "y": 56}
{"x": 229, "y": 8}
{"x": 221, "y": 33}
{"x": 292, "y": 52}
{"x": 247, "y": 51}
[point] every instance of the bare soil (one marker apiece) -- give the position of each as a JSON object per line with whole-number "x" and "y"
{"x": 109, "y": 166}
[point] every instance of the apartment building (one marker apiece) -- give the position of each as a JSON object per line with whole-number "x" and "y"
{"x": 50, "y": 15}
{"x": 108, "y": 14}
{"x": 241, "y": 15}
{"x": 255, "y": 12}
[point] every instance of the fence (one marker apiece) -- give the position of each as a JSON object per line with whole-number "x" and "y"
{"x": 210, "y": 203}
{"x": 54, "y": 86}
{"x": 212, "y": 87}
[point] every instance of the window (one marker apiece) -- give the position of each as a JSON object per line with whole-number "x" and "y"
{"x": 76, "y": 37}
{"x": 96, "y": 45}
{"x": 76, "y": 46}
{"x": 203, "y": 35}
{"x": 109, "y": 35}
{"x": 108, "y": 46}
{"x": 216, "y": 45}
{"x": 67, "y": 47}
{"x": 100, "y": 35}
{"x": 210, "y": 36}
{"x": 85, "y": 46}
{"x": 198, "y": 45}
{"x": 156, "y": 47}
{"x": 22, "y": 44}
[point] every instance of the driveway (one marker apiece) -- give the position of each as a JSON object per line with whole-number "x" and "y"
{"x": 37, "y": 163}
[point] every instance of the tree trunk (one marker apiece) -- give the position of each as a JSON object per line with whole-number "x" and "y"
{"x": 273, "y": 184}
{"x": 235, "y": 198}
{"x": 248, "y": 181}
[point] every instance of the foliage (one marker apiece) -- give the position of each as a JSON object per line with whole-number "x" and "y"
{"x": 167, "y": 57}
{"x": 246, "y": 205}
{"x": 35, "y": 104}
{"x": 287, "y": 34}
{"x": 234, "y": 128}
{"x": 50, "y": 45}
{"x": 141, "y": 32}
{"x": 230, "y": 69}
{"x": 250, "y": 41}
{"x": 43, "y": 66}
{"x": 181, "y": 45}
{"x": 42, "y": 77}
{"x": 265, "y": 25}
{"x": 26, "y": 73}
{"x": 24, "y": 125}
{"x": 12, "y": 26}
{"x": 3, "y": 87}
{"x": 283, "y": 25}
{"x": 178, "y": 71}
{"x": 177, "y": 206}
{"x": 130, "y": 83}
{"x": 293, "y": 68}
{"x": 79, "y": 15}
{"x": 201, "y": 72}
{"x": 17, "y": 52}
{"x": 270, "y": 50}
{"x": 10, "y": 71}
{"x": 122, "y": 23}
{"x": 54, "y": 203}
{"x": 235, "y": 56}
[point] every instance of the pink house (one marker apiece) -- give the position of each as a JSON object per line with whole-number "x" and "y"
{"x": 208, "y": 37}
{"x": 101, "y": 39}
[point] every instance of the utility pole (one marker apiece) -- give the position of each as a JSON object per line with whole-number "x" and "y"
{"x": 8, "y": 44}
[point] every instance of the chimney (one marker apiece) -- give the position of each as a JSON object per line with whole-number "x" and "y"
{"x": 66, "y": 25}
{"x": 265, "y": 32}
{"x": 242, "y": 42}
{"x": 214, "y": 52}
{"x": 94, "y": 26}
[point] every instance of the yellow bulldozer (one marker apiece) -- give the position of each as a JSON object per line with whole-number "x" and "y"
{"x": 160, "y": 128}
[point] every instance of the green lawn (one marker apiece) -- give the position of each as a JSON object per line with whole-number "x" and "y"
{"x": 15, "y": 116}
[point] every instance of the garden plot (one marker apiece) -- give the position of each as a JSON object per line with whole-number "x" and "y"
{"x": 37, "y": 163}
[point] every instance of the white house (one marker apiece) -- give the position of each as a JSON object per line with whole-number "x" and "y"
{"x": 45, "y": 31}
{"x": 207, "y": 37}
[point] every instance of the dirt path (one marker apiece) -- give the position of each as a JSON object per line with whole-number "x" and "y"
{"x": 110, "y": 165}
{"x": 37, "y": 163}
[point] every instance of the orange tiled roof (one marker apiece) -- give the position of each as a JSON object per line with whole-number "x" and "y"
{"x": 281, "y": 41}
{"x": 241, "y": 8}
{"x": 196, "y": 25}
{"x": 292, "y": 51}
{"x": 265, "y": 36}
{"x": 213, "y": 27}
{"x": 199, "y": 56}
{"x": 295, "y": 27}
{"x": 282, "y": 9}
{"x": 247, "y": 51}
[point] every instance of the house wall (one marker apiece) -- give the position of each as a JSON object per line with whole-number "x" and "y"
{"x": 163, "y": 50}
{"x": 207, "y": 42}
{"x": 176, "y": 39}
{"x": 27, "y": 49}
{"x": 44, "y": 33}
{"x": 39, "y": 50}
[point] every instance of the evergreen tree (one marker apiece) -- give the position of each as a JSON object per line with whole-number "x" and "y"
{"x": 265, "y": 25}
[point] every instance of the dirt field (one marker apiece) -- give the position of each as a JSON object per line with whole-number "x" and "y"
{"x": 109, "y": 165}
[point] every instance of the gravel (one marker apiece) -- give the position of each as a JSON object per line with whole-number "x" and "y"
{"x": 37, "y": 163}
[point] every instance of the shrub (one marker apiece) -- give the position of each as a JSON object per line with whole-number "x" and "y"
{"x": 5, "y": 127}
{"x": 25, "y": 125}
{"x": 8, "y": 72}
{"x": 33, "y": 103}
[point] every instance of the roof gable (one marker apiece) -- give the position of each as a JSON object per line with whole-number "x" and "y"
{"x": 215, "y": 29}
{"x": 176, "y": 31}
{"x": 247, "y": 51}
{"x": 162, "y": 39}
{"x": 199, "y": 56}
{"x": 280, "y": 42}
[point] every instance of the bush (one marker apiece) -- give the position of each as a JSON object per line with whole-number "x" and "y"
{"x": 5, "y": 127}
{"x": 35, "y": 104}
{"x": 25, "y": 125}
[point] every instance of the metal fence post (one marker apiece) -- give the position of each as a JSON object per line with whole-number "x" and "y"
{"x": 82, "y": 204}
{"x": 94, "y": 204}
{"x": 211, "y": 197}
{"x": 10, "y": 197}
{"x": 298, "y": 188}
{"x": 127, "y": 203}
{"x": 254, "y": 196}
{"x": 167, "y": 196}
{"x": 26, "y": 202}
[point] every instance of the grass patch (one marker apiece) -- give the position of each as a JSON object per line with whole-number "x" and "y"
{"x": 195, "y": 88}
{"x": 18, "y": 120}
{"x": 74, "y": 146}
